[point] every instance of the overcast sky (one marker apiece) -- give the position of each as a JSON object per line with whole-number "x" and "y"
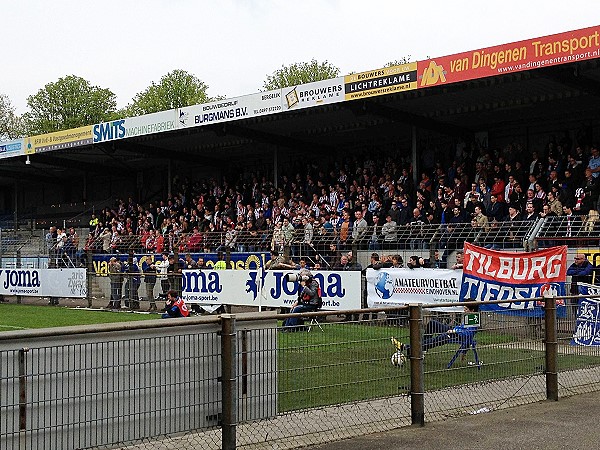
{"x": 232, "y": 45}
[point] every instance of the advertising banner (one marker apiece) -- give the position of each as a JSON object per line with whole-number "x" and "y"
{"x": 392, "y": 287}
{"x": 495, "y": 275}
{"x": 239, "y": 261}
{"x": 135, "y": 126}
{"x": 587, "y": 326}
{"x": 12, "y": 148}
{"x": 388, "y": 80}
{"x": 313, "y": 94}
{"x": 339, "y": 290}
{"x": 43, "y": 282}
{"x": 252, "y": 105}
{"x": 59, "y": 140}
{"x": 529, "y": 54}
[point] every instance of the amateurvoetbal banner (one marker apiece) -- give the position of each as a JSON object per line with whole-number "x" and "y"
{"x": 393, "y": 287}
{"x": 339, "y": 290}
{"x": 587, "y": 326}
{"x": 552, "y": 50}
{"x": 495, "y": 275}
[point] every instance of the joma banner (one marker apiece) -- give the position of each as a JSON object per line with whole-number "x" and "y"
{"x": 339, "y": 290}
{"x": 495, "y": 275}
{"x": 43, "y": 282}
{"x": 587, "y": 327}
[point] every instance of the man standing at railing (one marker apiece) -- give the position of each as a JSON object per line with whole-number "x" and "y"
{"x": 162, "y": 268}
{"x": 581, "y": 271}
{"x": 116, "y": 283}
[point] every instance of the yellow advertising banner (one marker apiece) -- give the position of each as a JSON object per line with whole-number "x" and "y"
{"x": 58, "y": 140}
{"x": 387, "y": 80}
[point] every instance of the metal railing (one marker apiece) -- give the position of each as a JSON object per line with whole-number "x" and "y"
{"x": 325, "y": 245}
{"x": 238, "y": 381}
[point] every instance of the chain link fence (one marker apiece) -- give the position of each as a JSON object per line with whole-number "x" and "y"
{"x": 244, "y": 381}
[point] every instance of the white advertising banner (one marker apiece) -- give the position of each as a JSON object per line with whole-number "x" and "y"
{"x": 339, "y": 290}
{"x": 252, "y": 105}
{"x": 12, "y": 148}
{"x": 135, "y": 126}
{"x": 43, "y": 282}
{"x": 313, "y": 94}
{"x": 391, "y": 287}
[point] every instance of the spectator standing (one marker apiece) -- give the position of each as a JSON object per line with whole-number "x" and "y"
{"x": 581, "y": 271}
{"x": 116, "y": 283}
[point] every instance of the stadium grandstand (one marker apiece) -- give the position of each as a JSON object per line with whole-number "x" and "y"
{"x": 415, "y": 158}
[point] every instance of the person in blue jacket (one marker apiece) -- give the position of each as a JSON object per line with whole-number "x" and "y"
{"x": 581, "y": 271}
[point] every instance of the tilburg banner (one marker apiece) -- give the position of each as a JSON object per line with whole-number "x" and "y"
{"x": 496, "y": 275}
{"x": 587, "y": 326}
{"x": 393, "y": 287}
{"x": 339, "y": 290}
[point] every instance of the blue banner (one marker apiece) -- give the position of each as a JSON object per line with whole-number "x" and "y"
{"x": 239, "y": 261}
{"x": 587, "y": 326}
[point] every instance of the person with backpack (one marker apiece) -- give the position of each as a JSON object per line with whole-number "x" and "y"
{"x": 309, "y": 299}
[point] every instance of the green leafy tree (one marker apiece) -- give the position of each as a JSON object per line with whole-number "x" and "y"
{"x": 300, "y": 73}
{"x": 70, "y": 102}
{"x": 11, "y": 125}
{"x": 175, "y": 90}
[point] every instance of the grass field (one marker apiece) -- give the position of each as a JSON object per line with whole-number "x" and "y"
{"x": 352, "y": 362}
{"x": 23, "y": 317}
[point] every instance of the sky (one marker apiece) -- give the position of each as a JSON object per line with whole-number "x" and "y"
{"x": 233, "y": 45}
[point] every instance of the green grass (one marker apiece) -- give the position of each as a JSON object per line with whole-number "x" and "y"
{"x": 20, "y": 317}
{"x": 351, "y": 362}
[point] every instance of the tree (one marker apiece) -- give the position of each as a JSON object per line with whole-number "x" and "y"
{"x": 175, "y": 90}
{"x": 11, "y": 125}
{"x": 398, "y": 62}
{"x": 70, "y": 102}
{"x": 300, "y": 73}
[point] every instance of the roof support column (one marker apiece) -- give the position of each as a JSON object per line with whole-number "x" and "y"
{"x": 413, "y": 132}
{"x": 275, "y": 171}
{"x": 169, "y": 177}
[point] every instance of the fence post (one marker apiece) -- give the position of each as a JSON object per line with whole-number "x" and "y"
{"x": 90, "y": 272}
{"x": 551, "y": 349}
{"x": 417, "y": 382}
{"x": 22, "y": 397}
{"x": 228, "y": 381}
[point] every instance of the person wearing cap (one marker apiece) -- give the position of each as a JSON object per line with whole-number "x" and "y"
{"x": 309, "y": 299}
{"x": 581, "y": 271}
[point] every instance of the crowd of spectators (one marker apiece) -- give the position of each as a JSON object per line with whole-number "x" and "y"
{"x": 360, "y": 199}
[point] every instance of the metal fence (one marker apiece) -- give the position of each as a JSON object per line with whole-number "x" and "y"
{"x": 322, "y": 245}
{"x": 239, "y": 381}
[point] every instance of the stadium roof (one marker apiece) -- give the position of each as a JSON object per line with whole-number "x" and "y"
{"x": 548, "y": 83}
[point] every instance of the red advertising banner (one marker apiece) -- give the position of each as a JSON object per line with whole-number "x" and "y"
{"x": 498, "y": 275}
{"x": 552, "y": 50}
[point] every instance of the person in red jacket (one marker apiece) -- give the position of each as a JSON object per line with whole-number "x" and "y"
{"x": 175, "y": 306}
